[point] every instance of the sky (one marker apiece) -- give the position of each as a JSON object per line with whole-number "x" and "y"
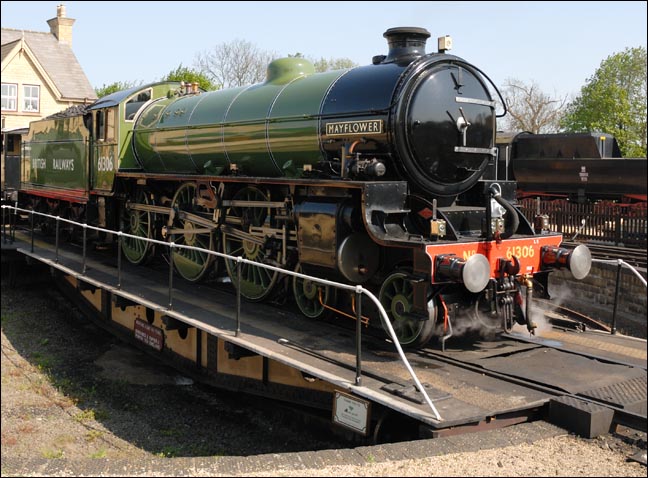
{"x": 557, "y": 45}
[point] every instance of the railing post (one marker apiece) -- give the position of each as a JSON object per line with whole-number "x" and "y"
{"x": 12, "y": 227}
{"x": 85, "y": 229}
{"x": 4, "y": 226}
{"x": 119, "y": 255}
{"x": 56, "y": 259}
{"x": 358, "y": 297}
{"x": 239, "y": 263}
{"x": 171, "y": 245}
{"x": 32, "y": 231}
{"x": 616, "y": 297}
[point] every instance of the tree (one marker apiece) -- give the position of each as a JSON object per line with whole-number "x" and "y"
{"x": 614, "y": 101}
{"x": 236, "y": 63}
{"x": 182, "y": 73}
{"x": 106, "y": 90}
{"x": 323, "y": 64}
{"x": 530, "y": 109}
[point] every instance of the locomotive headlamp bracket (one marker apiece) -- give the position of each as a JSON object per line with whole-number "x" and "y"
{"x": 444, "y": 44}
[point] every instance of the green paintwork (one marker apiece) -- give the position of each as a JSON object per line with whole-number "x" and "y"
{"x": 127, "y": 158}
{"x": 62, "y": 156}
{"x": 56, "y": 153}
{"x": 269, "y": 129}
{"x": 293, "y": 129}
{"x": 104, "y": 165}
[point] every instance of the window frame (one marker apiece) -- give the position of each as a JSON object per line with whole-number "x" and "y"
{"x": 133, "y": 99}
{"x": 105, "y": 127}
{"x": 15, "y": 98}
{"x": 31, "y": 98}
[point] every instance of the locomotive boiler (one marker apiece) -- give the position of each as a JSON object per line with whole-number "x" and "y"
{"x": 379, "y": 175}
{"x": 429, "y": 122}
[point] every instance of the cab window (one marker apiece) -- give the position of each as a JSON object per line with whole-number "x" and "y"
{"x": 105, "y": 125}
{"x": 135, "y": 104}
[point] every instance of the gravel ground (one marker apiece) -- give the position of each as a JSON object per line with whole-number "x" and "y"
{"x": 59, "y": 405}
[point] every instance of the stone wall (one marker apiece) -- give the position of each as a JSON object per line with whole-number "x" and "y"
{"x": 594, "y": 296}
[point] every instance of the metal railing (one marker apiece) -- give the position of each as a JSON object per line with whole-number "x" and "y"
{"x": 620, "y": 263}
{"x": 357, "y": 289}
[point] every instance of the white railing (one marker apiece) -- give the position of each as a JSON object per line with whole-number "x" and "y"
{"x": 357, "y": 289}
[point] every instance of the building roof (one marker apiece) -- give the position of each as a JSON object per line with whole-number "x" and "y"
{"x": 57, "y": 60}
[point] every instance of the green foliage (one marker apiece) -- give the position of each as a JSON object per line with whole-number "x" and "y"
{"x": 52, "y": 454}
{"x": 323, "y": 64}
{"x": 182, "y": 73}
{"x": 106, "y": 90}
{"x": 99, "y": 454}
{"x": 614, "y": 101}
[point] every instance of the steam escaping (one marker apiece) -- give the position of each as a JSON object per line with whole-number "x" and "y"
{"x": 476, "y": 322}
{"x": 469, "y": 321}
{"x": 543, "y": 324}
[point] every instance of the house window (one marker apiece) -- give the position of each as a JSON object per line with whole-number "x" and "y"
{"x": 31, "y": 98}
{"x": 9, "y": 97}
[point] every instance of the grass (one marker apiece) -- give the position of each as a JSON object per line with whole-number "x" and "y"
{"x": 99, "y": 454}
{"x": 168, "y": 452}
{"x": 50, "y": 454}
{"x": 92, "y": 435}
{"x": 90, "y": 414}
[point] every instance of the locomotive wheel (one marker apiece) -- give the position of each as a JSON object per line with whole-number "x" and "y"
{"x": 137, "y": 223}
{"x": 396, "y": 296}
{"x": 190, "y": 264}
{"x": 310, "y": 296}
{"x": 256, "y": 282}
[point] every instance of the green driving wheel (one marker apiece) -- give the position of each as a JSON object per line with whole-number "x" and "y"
{"x": 396, "y": 296}
{"x": 311, "y": 296}
{"x": 137, "y": 223}
{"x": 191, "y": 264}
{"x": 256, "y": 282}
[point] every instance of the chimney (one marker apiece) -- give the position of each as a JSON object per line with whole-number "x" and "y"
{"x": 405, "y": 44}
{"x": 61, "y": 26}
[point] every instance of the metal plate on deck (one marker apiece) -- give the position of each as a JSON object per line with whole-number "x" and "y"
{"x": 572, "y": 373}
{"x": 411, "y": 393}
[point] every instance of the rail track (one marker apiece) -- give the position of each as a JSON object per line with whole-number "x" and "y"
{"x": 561, "y": 316}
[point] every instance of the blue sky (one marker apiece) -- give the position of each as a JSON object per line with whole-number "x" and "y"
{"x": 559, "y": 45}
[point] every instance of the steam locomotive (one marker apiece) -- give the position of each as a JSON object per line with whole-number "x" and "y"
{"x": 579, "y": 167}
{"x": 380, "y": 175}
